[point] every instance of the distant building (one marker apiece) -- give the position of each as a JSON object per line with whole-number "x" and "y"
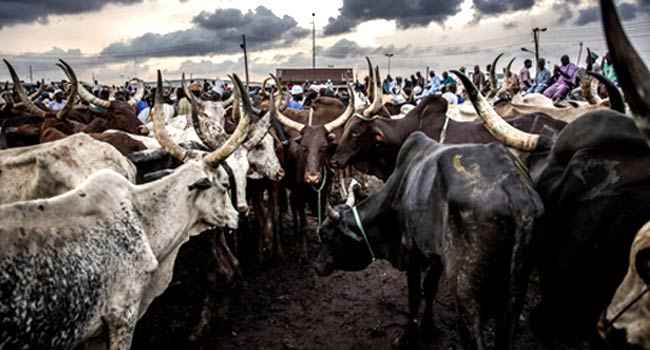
{"x": 338, "y": 76}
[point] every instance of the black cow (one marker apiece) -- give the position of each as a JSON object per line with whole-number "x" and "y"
{"x": 468, "y": 210}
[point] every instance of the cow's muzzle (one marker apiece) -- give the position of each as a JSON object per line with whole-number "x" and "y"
{"x": 312, "y": 178}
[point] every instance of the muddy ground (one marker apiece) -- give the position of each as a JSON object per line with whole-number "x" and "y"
{"x": 287, "y": 306}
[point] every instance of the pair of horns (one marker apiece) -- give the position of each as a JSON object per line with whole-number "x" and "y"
{"x": 92, "y": 99}
{"x": 31, "y": 106}
{"x": 214, "y": 158}
{"x": 329, "y": 127}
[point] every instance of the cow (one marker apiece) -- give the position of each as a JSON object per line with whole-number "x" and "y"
{"x": 98, "y": 255}
{"x": 467, "y": 210}
{"x": 312, "y": 136}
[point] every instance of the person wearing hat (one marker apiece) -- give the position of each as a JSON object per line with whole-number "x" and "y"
{"x": 297, "y": 98}
{"x": 57, "y": 103}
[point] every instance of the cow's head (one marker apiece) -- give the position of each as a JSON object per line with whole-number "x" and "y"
{"x": 343, "y": 247}
{"x": 626, "y": 324}
{"x": 209, "y": 181}
{"x": 317, "y": 142}
{"x": 362, "y": 133}
{"x": 343, "y": 244}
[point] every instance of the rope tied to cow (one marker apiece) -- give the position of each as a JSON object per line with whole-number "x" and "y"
{"x": 318, "y": 203}
{"x": 610, "y": 324}
{"x": 357, "y": 221}
{"x": 443, "y": 132}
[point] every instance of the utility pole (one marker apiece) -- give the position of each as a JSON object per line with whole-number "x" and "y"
{"x": 389, "y": 55}
{"x": 243, "y": 46}
{"x": 536, "y": 32}
{"x": 31, "y": 74}
{"x": 313, "y": 40}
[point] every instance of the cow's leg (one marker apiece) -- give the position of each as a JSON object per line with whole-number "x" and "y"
{"x": 275, "y": 192}
{"x": 413, "y": 275}
{"x": 519, "y": 274}
{"x": 430, "y": 288}
{"x": 469, "y": 312}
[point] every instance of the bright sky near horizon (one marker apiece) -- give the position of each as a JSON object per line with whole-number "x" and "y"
{"x": 117, "y": 39}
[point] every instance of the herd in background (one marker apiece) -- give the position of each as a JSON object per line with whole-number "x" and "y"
{"x": 100, "y": 192}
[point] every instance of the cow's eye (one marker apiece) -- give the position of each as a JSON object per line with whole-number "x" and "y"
{"x": 355, "y": 134}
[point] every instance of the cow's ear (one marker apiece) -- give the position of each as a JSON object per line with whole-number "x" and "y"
{"x": 200, "y": 185}
{"x": 379, "y": 135}
{"x": 642, "y": 263}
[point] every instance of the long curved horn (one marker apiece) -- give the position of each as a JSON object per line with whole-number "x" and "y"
{"x": 371, "y": 80}
{"x": 509, "y": 66}
{"x": 22, "y": 94}
{"x": 493, "y": 74}
{"x": 241, "y": 132}
{"x": 72, "y": 95}
{"x": 493, "y": 122}
{"x": 90, "y": 98}
{"x": 633, "y": 75}
{"x": 139, "y": 94}
{"x": 159, "y": 129}
{"x": 616, "y": 101}
{"x": 343, "y": 118}
{"x": 378, "y": 101}
{"x": 286, "y": 121}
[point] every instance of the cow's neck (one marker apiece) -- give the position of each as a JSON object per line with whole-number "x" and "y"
{"x": 167, "y": 214}
{"x": 378, "y": 221}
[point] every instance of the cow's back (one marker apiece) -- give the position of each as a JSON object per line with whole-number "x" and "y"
{"x": 443, "y": 185}
{"x": 49, "y": 169}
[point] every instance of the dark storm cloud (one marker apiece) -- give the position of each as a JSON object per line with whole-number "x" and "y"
{"x": 23, "y": 11}
{"x": 495, "y": 7}
{"x": 218, "y": 32}
{"x": 407, "y": 14}
{"x": 626, "y": 10}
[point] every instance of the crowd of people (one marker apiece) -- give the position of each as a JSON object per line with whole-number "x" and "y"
{"x": 556, "y": 84}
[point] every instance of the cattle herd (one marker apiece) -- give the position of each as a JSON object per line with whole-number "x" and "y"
{"x": 95, "y": 204}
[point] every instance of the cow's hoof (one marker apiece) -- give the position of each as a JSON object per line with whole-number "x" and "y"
{"x": 427, "y": 331}
{"x": 405, "y": 341}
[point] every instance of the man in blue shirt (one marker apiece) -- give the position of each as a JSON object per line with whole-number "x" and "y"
{"x": 296, "y": 101}
{"x": 542, "y": 78}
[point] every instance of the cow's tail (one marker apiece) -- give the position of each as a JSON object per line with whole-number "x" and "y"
{"x": 520, "y": 269}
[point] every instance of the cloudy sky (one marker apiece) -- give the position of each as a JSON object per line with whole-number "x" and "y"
{"x": 117, "y": 39}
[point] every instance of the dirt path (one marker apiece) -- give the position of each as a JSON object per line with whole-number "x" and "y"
{"x": 288, "y": 307}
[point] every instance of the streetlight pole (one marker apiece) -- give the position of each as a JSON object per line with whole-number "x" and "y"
{"x": 243, "y": 46}
{"x": 313, "y": 40}
{"x": 389, "y": 55}
{"x": 536, "y": 32}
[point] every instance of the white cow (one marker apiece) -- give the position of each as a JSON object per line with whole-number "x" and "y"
{"x": 49, "y": 169}
{"x": 93, "y": 259}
